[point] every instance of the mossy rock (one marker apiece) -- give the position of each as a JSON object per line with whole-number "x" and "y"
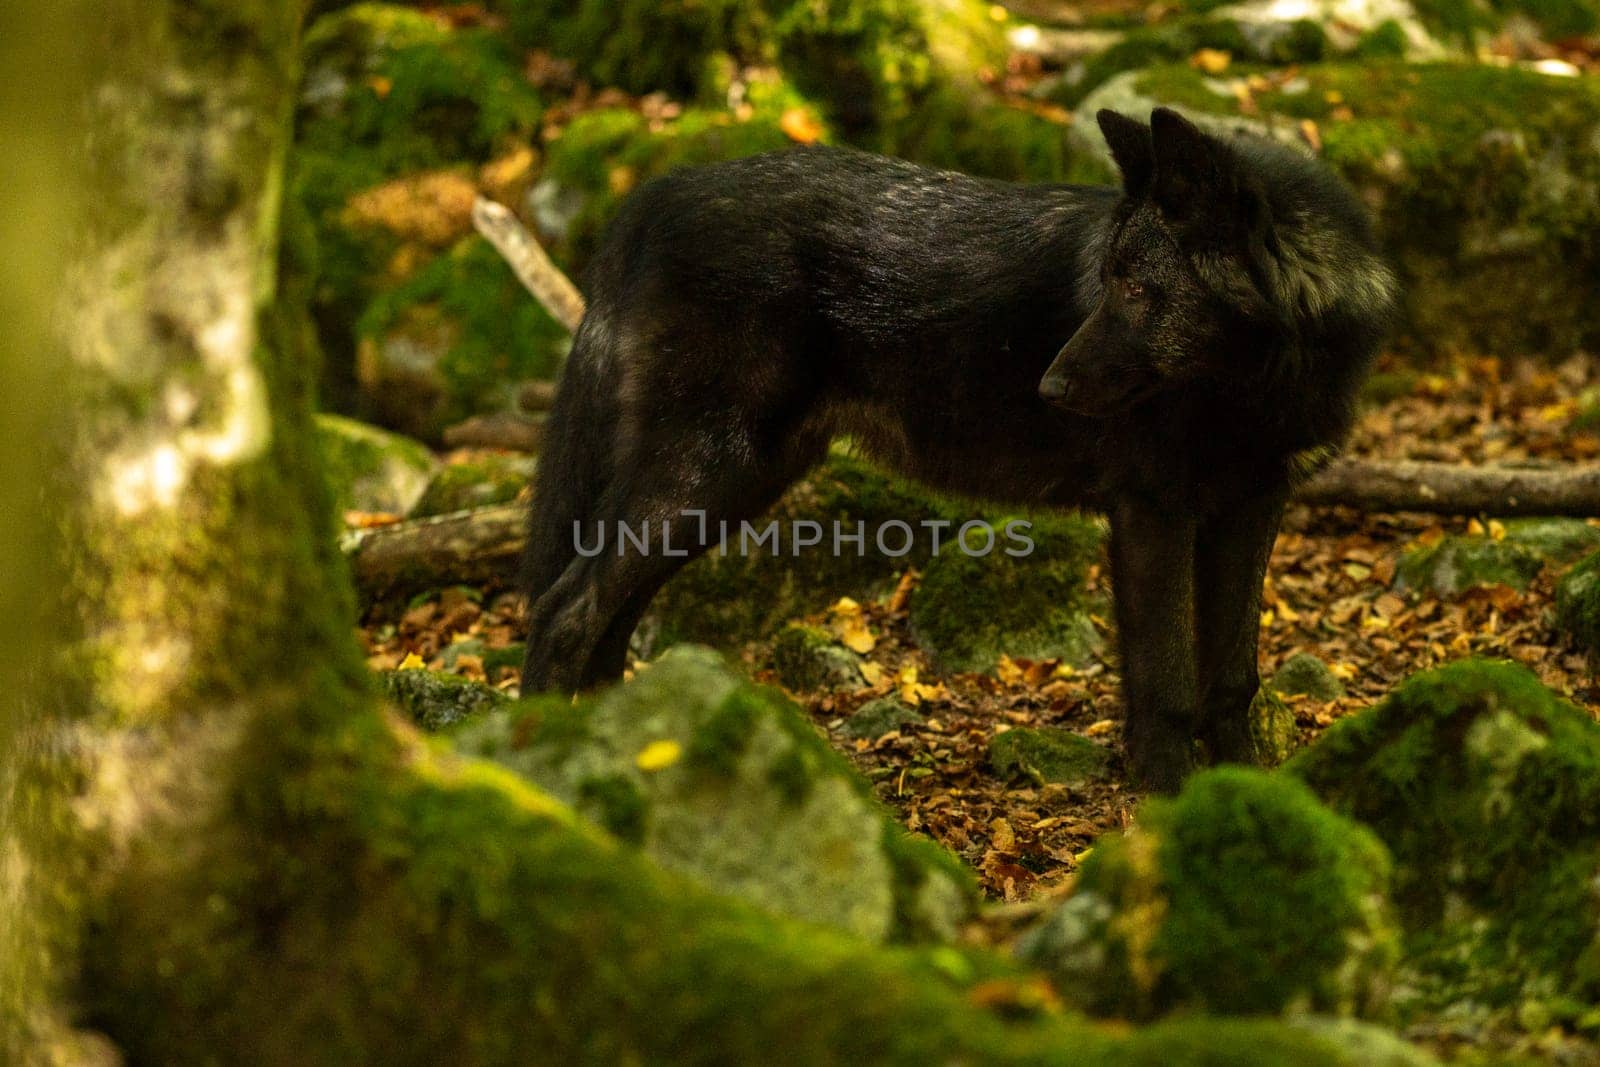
{"x": 807, "y": 658}
{"x": 1485, "y": 787}
{"x": 753, "y": 588}
{"x": 728, "y": 783}
{"x": 457, "y": 337}
{"x": 1459, "y": 562}
{"x": 1578, "y": 603}
{"x": 1273, "y": 728}
{"x": 435, "y": 700}
{"x": 1558, "y": 540}
{"x": 1303, "y": 674}
{"x": 487, "y": 478}
{"x": 877, "y": 717}
{"x": 1485, "y": 181}
{"x": 397, "y": 112}
{"x": 970, "y": 608}
{"x": 1242, "y": 895}
{"x": 1047, "y": 755}
{"x": 372, "y": 470}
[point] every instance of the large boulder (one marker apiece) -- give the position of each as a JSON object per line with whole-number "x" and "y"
{"x": 728, "y": 783}
{"x": 754, "y": 587}
{"x": 1485, "y": 788}
{"x": 1485, "y": 181}
{"x": 1242, "y": 895}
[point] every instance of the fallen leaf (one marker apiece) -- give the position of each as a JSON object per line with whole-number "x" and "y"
{"x": 658, "y": 755}
{"x": 800, "y": 125}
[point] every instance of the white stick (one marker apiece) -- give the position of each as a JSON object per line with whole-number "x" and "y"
{"x": 530, "y": 261}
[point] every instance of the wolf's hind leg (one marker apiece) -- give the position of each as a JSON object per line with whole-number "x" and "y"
{"x": 579, "y": 629}
{"x": 1152, "y": 574}
{"x": 1230, "y": 563}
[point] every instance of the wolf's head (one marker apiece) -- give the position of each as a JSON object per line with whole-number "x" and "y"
{"x": 1186, "y": 286}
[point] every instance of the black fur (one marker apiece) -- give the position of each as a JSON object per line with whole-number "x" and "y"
{"x": 1167, "y": 354}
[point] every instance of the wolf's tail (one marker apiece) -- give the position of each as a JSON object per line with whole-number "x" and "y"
{"x": 573, "y": 467}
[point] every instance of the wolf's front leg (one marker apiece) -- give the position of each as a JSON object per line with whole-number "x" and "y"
{"x": 1152, "y": 571}
{"x": 1230, "y": 562}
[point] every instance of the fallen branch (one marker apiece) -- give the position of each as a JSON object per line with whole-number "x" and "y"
{"x": 1445, "y": 489}
{"x": 533, "y": 265}
{"x": 464, "y": 546}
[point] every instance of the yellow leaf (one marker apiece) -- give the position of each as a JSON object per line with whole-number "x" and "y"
{"x": 850, "y": 627}
{"x": 381, "y": 86}
{"x": 1266, "y": 618}
{"x": 1342, "y": 671}
{"x": 800, "y": 125}
{"x": 1475, "y": 528}
{"x": 1497, "y": 530}
{"x": 621, "y": 180}
{"x": 1099, "y": 726}
{"x": 1063, "y": 670}
{"x": 658, "y": 755}
{"x": 1211, "y": 60}
{"x": 412, "y": 662}
{"x": 908, "y": 686}
{"x": 871, "y": 672}
{"x": 1007, "y": 671}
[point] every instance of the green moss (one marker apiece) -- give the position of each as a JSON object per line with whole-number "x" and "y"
{"x": 1464, "y": 561}
{"x": 720, "y": 742}
{"x": 1485, "y": 786}
{"x": 482, "y": 333}
{"x": 1578, "y": 603}
{"x": 1558, "y": 540}
{"x": 369, "y": 469}
{"x": 618, "y": 803}
{"x": 640, "y": 45}
{"x": 970, "y": 610}
{"x": 1386, "y": 40}
{"x": 435, "y": 700}
{"x": 486, "y": 479}
{"x": 1241, "y": 895}
{"x": 877, "y": 717}
{"x": 1273, "y": 729}
{"x": 605, "y": 154}
{"x": 1303, "y": 673}
{"x": 953, "y": 131}
{"x": 729, "y": 598}
{"x": 809, "y": 658}
{"x": 1047, "y": 754}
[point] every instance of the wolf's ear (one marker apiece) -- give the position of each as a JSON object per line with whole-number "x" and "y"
{"x": 1197, "y": 177}
{"x": 1129, "y": 141}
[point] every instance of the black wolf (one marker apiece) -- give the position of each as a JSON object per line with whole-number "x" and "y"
{"x": 1170, "y": 353}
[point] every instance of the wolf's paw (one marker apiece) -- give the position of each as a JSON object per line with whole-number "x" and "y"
{"x": 1160, "y": 761}
{"x": 1231, "y": 741}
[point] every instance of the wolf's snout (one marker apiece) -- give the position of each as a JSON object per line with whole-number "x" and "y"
{"x": 1054, "y": 389}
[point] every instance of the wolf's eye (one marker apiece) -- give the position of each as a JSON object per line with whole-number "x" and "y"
{"x": 1132, "y": 289}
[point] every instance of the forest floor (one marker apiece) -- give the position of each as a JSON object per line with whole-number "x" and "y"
{"x": 1329, "y": 592}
